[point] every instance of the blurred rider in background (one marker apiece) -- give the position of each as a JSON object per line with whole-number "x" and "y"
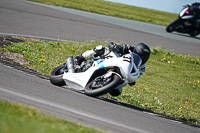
{"x": 196, "y": 8}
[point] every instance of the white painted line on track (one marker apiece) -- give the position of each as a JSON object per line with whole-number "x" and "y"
{"x": 36, "y": 37}
{"x": 92, "y": 116}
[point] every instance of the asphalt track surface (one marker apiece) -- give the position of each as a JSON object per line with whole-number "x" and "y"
{"x": 19, "y": 17}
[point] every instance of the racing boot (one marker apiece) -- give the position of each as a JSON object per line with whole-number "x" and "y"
{"x": 79, "y": 59}
{"x": 77, "y": 63}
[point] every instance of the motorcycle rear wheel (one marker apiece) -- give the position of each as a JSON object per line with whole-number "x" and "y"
{"x": 194, "y": 33}
{"x": 57, "y": 74}
{"x": 95, "y": 89}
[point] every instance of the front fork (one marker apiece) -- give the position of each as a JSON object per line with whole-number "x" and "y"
{"x": 125, "y": 81}
{"x": 70, "y": 64}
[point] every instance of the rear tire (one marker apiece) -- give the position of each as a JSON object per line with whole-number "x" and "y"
{"x": 115, "y": 92}
{"x": 194, "y": 33}
{"x": 91, "y": 91}
{"x": 57, "y": 74}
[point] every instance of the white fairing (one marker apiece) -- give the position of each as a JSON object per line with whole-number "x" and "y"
{"x": 187, "y": 16}
{"x": 125, "y": 64}
{"x": 183, "y": 11}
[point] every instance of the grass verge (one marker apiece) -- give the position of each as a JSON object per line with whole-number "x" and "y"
{"x": 170, "y": 85}
{"x": 21, "y": 119}
{"x": 116, "y": 10}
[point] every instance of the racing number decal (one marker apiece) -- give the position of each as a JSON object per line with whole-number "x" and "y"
{"x": 127, "y": 58}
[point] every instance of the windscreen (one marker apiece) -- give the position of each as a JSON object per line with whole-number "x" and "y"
{"x": 137, "y": 60}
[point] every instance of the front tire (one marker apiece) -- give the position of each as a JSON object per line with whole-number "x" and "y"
{"x": 97, "y": 87}
{"x": 57, "y": 74}
{"x": 173, "y": 25}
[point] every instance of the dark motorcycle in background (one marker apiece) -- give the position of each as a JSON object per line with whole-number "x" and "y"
{"x": 187, "y": 22}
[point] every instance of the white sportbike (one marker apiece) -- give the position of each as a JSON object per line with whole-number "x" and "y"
{"x": 100, "y": 75}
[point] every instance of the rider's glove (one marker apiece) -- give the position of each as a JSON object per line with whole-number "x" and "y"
{"x": 120, "y": 49}
{"x": 114, "y": 47}
{"x": 125, "y": 48}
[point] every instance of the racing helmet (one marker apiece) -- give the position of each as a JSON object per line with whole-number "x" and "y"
{"x": 143, "y": 51}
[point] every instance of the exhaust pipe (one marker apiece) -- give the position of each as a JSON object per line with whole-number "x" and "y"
{"x": 70, "y": 64}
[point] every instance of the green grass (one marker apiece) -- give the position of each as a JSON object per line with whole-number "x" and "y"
{"x": 116, "y": 10}
{"x": 21, "y": 119}
{"x": 170, "y": 85}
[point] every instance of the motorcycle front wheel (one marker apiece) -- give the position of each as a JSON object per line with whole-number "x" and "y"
{"x": 57, "y": 74}
{"x": 101, "y": 85}
{"x": 173, "y": 25}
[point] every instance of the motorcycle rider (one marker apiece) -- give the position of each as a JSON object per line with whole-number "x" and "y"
{"x": 141, "y": 49}
{"x": 196, "y": 8}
